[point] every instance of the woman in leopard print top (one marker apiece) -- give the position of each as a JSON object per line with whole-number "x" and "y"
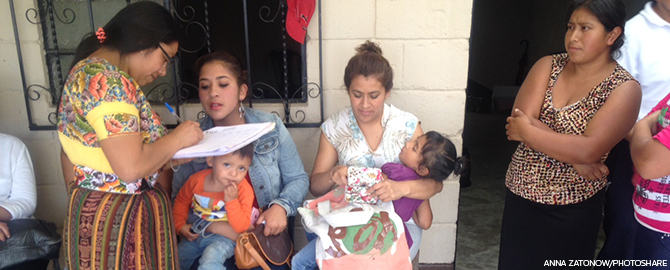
{"x": 570, "y": 111}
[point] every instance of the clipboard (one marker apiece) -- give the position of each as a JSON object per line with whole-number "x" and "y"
{"x": 224, "y": 140}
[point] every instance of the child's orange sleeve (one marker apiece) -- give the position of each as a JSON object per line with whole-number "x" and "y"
{"x": 239, "y": 211}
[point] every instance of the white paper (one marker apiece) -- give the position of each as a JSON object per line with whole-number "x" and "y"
{"x": 223, "y": 140}
{"x": 345, "y": 217}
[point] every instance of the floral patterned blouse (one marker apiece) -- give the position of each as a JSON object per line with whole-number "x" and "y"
{"x": 543, "y": 179}
{"x": 343, "y": 133}
{"x": 100, "y": 101}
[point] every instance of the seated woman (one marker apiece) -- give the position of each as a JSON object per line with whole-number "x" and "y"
{"x": 277, "y": 174}
{"x": 369, "y": 134}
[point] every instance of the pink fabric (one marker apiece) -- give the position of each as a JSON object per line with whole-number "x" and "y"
{"x": 379, "y": 243}
{"x": 336, "y": 198}
{"x": 359, "y": 179}
{"x": 652, "y": 196}
{"x": 387, "y": 260}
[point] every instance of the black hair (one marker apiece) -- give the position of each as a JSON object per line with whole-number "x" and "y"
{"x": 611, "y": 13}
{"x": 138, "y": 26}
{"x": 439, "y": 157}
{"x": 245, "y": 152}
{"x": 369, "y": 61}
{"x": 232, "y": 63}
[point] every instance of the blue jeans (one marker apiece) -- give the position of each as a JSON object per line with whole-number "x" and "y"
{"x": 214, "y": 248}
{"x": 415, "y": 232}
{"x": 651, "y": 245}
{"x": 276, "y": 172}
{"x": 305, "y": 259}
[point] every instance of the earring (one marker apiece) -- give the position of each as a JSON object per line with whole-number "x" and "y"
{"x": 241, "y": 111}
{"x": 202, "y": 114}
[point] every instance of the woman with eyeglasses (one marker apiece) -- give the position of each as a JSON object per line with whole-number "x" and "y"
{"x": 115, "y": 147}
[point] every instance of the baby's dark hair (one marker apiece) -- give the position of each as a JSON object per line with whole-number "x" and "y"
{"x": 245, "y": 152}
{"x": 439, "y": 157}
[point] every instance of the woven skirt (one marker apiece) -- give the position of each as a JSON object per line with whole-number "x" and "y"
{"x": 119, "y": 231}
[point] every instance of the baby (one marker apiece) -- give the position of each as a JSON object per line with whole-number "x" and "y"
{"x": 429, "y": 156}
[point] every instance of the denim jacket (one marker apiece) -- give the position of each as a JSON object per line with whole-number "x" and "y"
{"x": 277, "y": 173}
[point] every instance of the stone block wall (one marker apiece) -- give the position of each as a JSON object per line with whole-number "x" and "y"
{"x": 426, "y": 42}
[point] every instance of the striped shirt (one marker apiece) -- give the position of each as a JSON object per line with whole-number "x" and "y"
{"x": 652, "y": 196}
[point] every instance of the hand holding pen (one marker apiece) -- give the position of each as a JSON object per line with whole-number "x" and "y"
{"x": 173, "y": 113}
{"x": 188, "y": 132}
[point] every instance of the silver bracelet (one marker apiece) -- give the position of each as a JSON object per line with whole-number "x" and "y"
{"x": 173, "y": 169}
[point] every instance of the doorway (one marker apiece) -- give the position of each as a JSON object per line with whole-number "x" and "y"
{"x": 507, "y": 38}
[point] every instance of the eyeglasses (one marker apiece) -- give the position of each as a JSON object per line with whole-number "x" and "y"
{"x": 168, "y": 59}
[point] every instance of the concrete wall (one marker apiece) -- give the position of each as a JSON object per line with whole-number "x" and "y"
{"x": 426, "y": 42}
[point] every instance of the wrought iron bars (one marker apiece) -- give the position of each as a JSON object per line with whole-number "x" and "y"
{"x": 46, "y": 15}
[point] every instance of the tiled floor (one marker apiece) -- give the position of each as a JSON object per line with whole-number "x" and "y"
{"x": 481, "y": 205}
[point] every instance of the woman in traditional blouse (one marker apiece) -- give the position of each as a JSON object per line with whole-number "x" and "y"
{"x": 115, "y": 146}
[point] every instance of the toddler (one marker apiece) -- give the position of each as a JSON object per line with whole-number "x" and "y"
{"x": 221, "y": 195}
{"x": 429, "y": 156}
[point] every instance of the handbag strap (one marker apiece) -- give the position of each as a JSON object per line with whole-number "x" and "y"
{"x": 260, "y": 260}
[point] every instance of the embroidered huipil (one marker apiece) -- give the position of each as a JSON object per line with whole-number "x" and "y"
{"x": 101, "y": 101}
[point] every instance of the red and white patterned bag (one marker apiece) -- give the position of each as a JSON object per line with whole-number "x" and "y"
{"x": 359, "y": 179}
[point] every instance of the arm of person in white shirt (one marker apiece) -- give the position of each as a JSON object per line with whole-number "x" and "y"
{"x": 23, "y": 196}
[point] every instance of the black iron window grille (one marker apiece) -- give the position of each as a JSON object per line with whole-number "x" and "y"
{"x": 254, "y": 31}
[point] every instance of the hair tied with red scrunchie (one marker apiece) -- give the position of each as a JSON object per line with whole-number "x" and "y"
{"x": 101, "y": 35}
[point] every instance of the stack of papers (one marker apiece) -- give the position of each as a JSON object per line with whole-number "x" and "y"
{"x": 224, "y": 140}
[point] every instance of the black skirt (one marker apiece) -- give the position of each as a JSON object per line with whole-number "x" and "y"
{"x": 536, "y": 235}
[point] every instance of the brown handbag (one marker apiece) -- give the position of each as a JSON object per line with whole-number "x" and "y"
{"x": 254, "y": 249}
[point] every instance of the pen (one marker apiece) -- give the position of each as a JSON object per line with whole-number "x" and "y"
{"x": 173, "y": 113}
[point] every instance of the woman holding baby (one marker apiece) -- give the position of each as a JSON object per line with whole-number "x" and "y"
{"x": 369, "y": 134}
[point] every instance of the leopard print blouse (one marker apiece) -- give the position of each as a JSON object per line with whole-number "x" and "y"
{"x": 542, "y": 179}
